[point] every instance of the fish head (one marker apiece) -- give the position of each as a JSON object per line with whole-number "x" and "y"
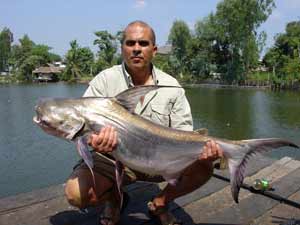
{"x": 58, "y": 118}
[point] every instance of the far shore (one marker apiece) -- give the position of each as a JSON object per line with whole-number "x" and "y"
{"x": 210, "y": 83}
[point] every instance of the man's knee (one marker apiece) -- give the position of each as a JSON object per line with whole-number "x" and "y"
{"x": 81, "y": 191}
{"x": 77, "y": 188}
{"x": 74, "y": 195}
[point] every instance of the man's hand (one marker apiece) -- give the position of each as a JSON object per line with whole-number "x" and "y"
{"x": 105, "y": 141}
{"x": 211, "y": 151}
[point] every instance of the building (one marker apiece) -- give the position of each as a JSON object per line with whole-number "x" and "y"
{"x": 48, "y": 73}
{"x": 164, "y": 50}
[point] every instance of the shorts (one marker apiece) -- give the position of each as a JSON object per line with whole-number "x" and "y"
{"x": 104, "y": 164}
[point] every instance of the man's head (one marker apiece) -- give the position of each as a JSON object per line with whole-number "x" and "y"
{"x": 138, "y": 45}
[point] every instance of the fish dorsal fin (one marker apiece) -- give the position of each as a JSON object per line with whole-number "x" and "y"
{"x": 130, "y": 97}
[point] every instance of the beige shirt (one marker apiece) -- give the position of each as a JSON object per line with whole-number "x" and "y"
{"x": 165, "y": 106}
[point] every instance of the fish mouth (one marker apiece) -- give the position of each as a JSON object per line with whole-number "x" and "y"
{"x": 40, "y": 122}
{"x": 36, "y": 119}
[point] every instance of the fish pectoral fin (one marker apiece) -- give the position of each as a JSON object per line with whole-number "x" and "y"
{"x": 130, "y": 97}
{"x": 74, "y": 125}
{"x": 84, "y": 152}
{"x": 119, "y": 178}
{"x": 86, "y": 155}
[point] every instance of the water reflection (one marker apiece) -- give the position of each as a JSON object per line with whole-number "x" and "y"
{"x": 246, "y": 113}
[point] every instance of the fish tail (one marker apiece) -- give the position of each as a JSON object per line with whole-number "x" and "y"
{"x": 238, "y": 154}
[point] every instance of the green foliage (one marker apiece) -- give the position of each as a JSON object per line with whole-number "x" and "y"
{"x": 236, "y": 26}
{"x": 108, "y": 46}
{"x": 6, "y": 39}
{"x": 284, "y": 56}
{"x": 260, "y": 76}
{"x": 26, "y": 56}
{"x": 292, "y": 69}
{"x": 79, "y": 62}
{"x": 226, "y": 42}
{"x": 179, "y": 38}
{"x": 163, "y": 62}
{"x": 202, "y": 49}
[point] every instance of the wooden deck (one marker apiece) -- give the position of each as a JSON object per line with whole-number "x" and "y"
{"x": 211, "y": 204}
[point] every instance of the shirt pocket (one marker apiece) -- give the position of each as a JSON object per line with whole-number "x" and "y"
{"x": 160, "y": 114}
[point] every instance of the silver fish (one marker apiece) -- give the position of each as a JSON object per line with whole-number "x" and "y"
{"x": 142, "y": 145}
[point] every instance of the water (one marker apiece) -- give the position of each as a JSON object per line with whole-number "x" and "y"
{"x": 31, "y": 159}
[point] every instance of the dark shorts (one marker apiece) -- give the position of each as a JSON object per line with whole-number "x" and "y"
{"x": 104, "y": 164}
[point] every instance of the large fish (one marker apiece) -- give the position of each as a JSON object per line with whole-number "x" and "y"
{"x": 142, "y": 145}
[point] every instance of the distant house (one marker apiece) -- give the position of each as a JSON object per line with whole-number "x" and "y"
{"x": 164, "y": 50}
{"x": 48, "y": 73}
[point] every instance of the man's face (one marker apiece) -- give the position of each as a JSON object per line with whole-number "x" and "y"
{"x": 137, "y": 48}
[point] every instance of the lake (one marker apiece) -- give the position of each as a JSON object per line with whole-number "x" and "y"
{"x": 31, "y": 159}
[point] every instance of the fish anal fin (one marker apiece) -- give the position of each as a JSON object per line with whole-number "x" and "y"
{"x": 119, "y": 179}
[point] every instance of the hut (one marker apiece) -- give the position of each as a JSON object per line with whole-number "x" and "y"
{"x": 48, "y": 73}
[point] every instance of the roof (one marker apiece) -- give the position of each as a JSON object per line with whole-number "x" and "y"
{"x": 164, "y": 50}
{"x": 48, "y": 69}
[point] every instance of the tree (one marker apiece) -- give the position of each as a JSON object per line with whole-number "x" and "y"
{"x": 108, "y": 45}
{"x": 202, "y": 49}
{"x": 20, "y": 53}
{"x": 6, "y": 39}
{"x": 44, "y": 52}
{"x": 179, "y": 38}
{"x": 237, "y": 22}
{"x": 284, "y": 56}
{"x": 27, "y": 56}
{"x": 79, "y": 62}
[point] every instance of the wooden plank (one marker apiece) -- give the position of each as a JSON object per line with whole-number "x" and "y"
{"x": 48, "y": 206}
{"x": 254, "y": 205}
{"x": 26, "y": 199}
{"x": 281, "y": 213}
{"x": 223, "y": 198}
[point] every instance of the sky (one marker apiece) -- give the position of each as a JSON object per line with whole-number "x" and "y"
{"x": 55, "y": 23}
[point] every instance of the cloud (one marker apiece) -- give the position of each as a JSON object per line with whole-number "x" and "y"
{"x": 139, "y": 4}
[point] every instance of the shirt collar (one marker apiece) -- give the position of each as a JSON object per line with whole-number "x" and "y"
{"x": 129, "y": 79}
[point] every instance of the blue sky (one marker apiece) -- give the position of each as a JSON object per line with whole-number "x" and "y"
{"x": 56, "y": 22}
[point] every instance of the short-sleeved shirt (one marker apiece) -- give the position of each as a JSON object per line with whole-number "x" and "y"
{"x": 165, "y": 106}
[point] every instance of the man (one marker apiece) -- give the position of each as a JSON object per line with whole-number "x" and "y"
{"x": 166, "y": 107}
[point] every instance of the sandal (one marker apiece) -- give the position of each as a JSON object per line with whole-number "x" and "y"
{"x": 157, "y": 212}
{"x": 110, "y": 213}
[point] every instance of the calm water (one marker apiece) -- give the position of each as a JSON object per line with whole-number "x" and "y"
{"x": 31, "y": 159}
